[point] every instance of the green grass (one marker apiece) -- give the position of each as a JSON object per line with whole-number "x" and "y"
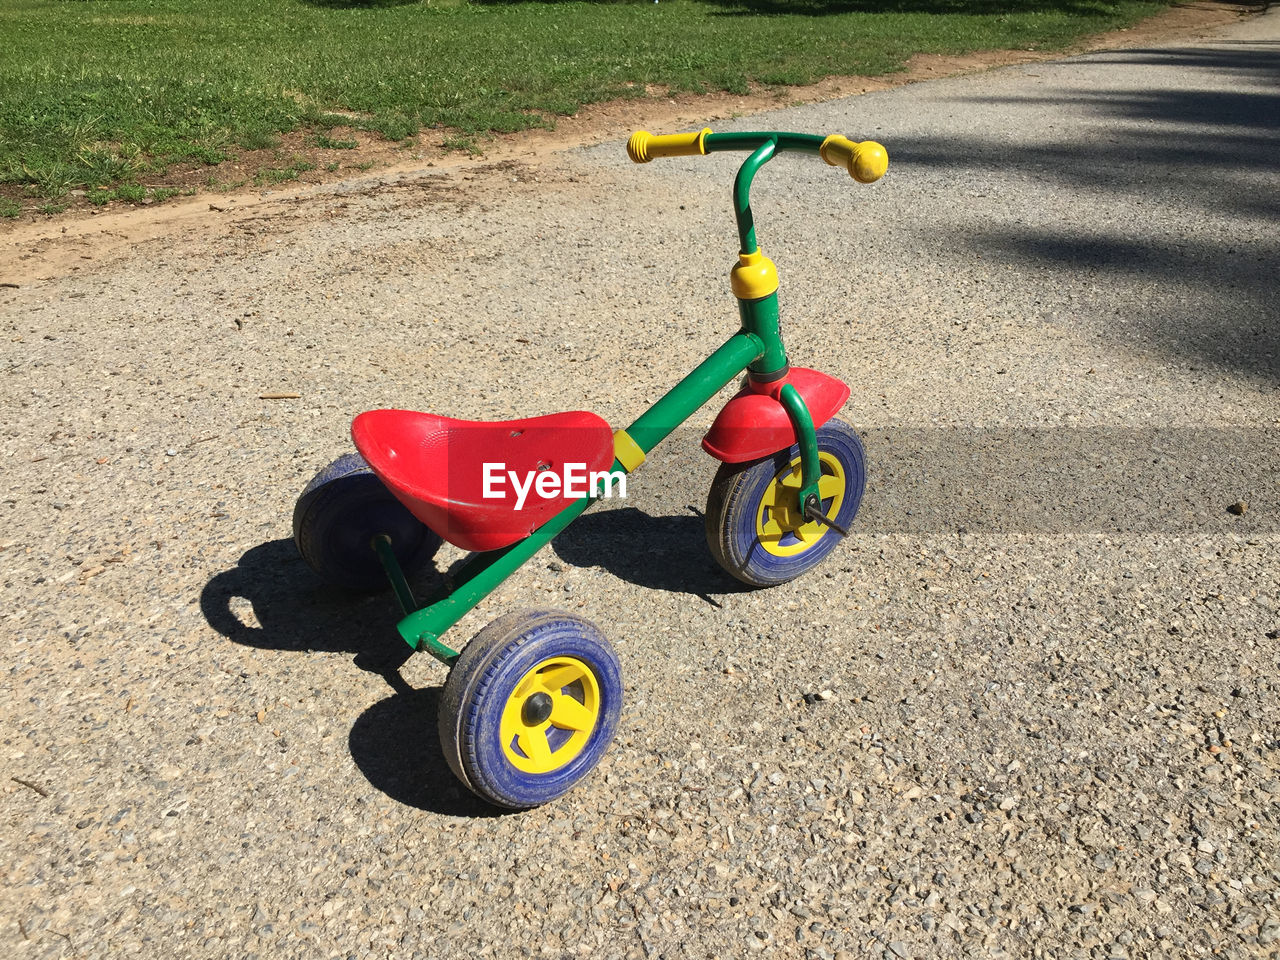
{"x": 462, "y": 144}
{"x": 97, "y": 92}
{"x": 271, "y": 175}
{"x": 127, "y": 192}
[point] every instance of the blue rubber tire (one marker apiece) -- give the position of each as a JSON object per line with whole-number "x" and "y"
{"x": 340, "y": 512}
{"x": 483, "y": 680}
{"x": 733, "y": 506}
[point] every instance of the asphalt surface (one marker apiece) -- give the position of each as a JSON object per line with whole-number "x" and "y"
{"x": 1028, "y": 708}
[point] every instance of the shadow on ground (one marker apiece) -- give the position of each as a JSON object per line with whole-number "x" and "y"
{"x": 824, "y": 8}
{"x": 271, "y": 601}
{"x": 394, "y": 744}
{"x": 1160, "y": 152}
{"x": 658, "y": 553}
{"x": 358, "y": 4}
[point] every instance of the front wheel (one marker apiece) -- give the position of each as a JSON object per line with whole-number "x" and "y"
{"x": 530, "y": 707}
{"x": 756, "y": 528}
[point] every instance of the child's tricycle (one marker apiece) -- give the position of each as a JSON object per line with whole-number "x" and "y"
{"x": 531, "y": 703}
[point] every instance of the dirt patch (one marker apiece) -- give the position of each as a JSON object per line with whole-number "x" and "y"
{"x": 37, "y": 247}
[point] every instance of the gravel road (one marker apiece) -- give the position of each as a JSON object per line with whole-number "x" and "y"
{"x": 1026, "y": 710}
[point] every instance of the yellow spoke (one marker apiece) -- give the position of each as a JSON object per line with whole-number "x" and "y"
{"x": 569, "y": 714}
{"x": 524, "y": 689}
{"x": 511, "y": 716}
{"x": 558, "y": 677}
{"x": 535, "y": 746}
{"x": 782, "y": 527}
{"x": 525, "y": 745}
{"x": 771, "y": 527}
{"x": 829, "y": 486}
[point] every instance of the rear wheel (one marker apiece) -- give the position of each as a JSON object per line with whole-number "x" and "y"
{"x": 530, "y": 707}
{"x": 340, "y": 512}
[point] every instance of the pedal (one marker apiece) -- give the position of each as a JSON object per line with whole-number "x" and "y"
{"x": 813, "y": 511}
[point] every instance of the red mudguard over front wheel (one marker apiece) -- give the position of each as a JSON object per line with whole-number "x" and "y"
{"x": 754, "y": 424}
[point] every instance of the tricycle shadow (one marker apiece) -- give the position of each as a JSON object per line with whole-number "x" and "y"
{"x": 270, "y": 601}
{"x": 659, "y": 553}
{"x": 397, "y": 757}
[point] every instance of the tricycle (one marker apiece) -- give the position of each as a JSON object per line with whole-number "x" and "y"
{"x": 532, "y": 702}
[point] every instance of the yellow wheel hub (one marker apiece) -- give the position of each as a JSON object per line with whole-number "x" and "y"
{"x": 781, "y": 525}
{"x": 550, "y": 715}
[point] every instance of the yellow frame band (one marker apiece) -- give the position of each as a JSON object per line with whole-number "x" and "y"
{"x": 626, "y": 451}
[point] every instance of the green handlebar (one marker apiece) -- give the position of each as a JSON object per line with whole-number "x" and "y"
{"x": 865, "y": 161}
{"x": 800, "y": 142}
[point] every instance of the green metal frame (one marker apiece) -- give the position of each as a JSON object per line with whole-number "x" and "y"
{"x": 757, "y": 347}
{"x": 761, "y": 316}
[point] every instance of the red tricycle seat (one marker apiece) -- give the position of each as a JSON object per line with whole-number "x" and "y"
{"x": 482, "y": 485}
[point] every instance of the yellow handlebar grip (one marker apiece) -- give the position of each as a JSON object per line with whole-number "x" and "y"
{"x": 644, "y": 146}
{"x": 866, "y": 161}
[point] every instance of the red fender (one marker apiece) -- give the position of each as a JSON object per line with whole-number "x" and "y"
{"x": 754, "y": 423}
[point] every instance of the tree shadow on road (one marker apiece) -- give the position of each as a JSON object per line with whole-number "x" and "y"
{"x": 1196, "y": 137}
{"x": 1161, "y": 152}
